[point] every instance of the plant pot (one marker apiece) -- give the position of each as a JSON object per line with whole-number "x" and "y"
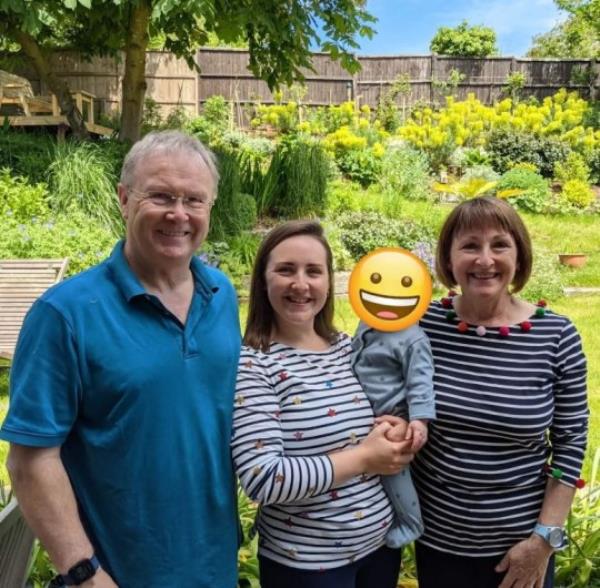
{"x": 572, "y": 259}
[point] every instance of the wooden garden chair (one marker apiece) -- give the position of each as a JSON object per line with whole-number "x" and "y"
{"x": 16, "y": 544}
{"x": 22, "y": 281}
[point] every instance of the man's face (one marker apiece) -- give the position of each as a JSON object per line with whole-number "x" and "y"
{"x": 159, "y": 234}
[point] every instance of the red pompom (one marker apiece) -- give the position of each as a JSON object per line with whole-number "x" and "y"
{"x": 525, "y": 326}
{"x": 451, "y": 293}
{"x": 463, "y": 327}
{"x": 580, "y": 484}
{"x": 542, "y": 303}
{"x": 446, "y": 302}
{"x": 504, "y": 331}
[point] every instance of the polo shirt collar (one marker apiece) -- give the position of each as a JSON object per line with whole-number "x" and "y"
{"x": 131, "y": 287}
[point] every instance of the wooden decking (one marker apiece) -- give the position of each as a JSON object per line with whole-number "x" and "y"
{"x": 44, "y": 111}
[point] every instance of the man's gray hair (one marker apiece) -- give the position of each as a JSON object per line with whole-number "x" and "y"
{"x": 168, "y": 142}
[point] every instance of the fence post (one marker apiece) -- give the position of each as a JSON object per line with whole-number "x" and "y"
{"x": 432, "y": 77}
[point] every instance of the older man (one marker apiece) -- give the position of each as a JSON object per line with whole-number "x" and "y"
{"x": 122, "y": 394}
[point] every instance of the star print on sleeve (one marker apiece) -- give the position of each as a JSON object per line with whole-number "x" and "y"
{"x": 279, "y": 478}
{"x": 283, "y": 376}
{"x": 239, "y": 400}
{"x": 259, "y": 444}
{"x": 298, "y": 435}
{"x": 331, "y": 412}
{"x": 297, "y": 400}
{"x": 248, "y": 364}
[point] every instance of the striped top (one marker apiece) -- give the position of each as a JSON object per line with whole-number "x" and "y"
{"x": 506, "y": 407}
{"x": 292, "y": 408}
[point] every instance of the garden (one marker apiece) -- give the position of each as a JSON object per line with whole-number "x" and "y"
{"x": 384, "y": 176}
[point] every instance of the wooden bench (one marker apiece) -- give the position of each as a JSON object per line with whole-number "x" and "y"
{"x": 16, "y": 544}
{"x": 22, "y": 281}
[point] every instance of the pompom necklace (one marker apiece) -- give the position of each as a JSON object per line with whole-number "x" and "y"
{"x": 504, "y": 330}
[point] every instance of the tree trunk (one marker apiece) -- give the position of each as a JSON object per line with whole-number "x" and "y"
{"x": 134, "y": 80}
{"x": 57, "y": 86}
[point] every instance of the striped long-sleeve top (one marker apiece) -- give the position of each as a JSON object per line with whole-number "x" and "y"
{"x": 292, "y": 408}
{"x": 508, "y": 407}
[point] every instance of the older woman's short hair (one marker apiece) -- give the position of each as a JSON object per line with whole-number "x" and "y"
{"x": 261, "y": 317}
{"x": 167, "y": 142}
{"x": 481, "y": 213}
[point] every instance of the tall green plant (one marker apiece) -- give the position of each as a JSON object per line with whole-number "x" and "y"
{"x": 295, "y": 184}
{"x": 82, "y": 177}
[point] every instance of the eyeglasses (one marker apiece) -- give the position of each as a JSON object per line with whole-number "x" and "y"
{"x": 162, "y": 199}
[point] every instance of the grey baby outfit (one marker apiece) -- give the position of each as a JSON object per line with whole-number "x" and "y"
{"x": 395, "y": 370}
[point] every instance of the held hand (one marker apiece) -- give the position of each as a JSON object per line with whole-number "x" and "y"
{"x": 381, "y": 456}
{"x": 417, "y": 432}
{"x": 525, "y": 564}
{"x": 100, "y": 579}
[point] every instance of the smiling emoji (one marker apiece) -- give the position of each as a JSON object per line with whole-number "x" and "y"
{"x": 390, "y": 289}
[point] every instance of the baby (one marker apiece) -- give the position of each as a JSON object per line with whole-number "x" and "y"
{"x": 395, "y": 370}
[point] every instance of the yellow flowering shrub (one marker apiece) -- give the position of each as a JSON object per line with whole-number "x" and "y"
{"x": 469, "y": 123}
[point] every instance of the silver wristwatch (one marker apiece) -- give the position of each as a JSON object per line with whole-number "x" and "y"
{"x": 554, "y": 536}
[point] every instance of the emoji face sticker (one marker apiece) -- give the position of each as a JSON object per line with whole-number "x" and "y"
{"x": 390, "y": 289}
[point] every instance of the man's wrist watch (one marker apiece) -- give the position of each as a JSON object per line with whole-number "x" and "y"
{"x": 554, "y": 536}
{"x": 81, "y": 572}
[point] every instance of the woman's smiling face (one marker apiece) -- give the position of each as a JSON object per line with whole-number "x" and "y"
{"x": 297, "y": 281}
{"x": 484, "y": 261}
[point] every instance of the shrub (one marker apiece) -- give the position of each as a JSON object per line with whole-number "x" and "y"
{"x": 359, "y": 165}
{"x": 508, "y": 147}
{"x": 26, "y": 154}
{"x": 246, "y": 211}
{"x": 593, "y": 162}
{"x": 344, "y": 196}
{"x": 225, "y": 216}
{"x": 20, "y": 199}
{"x": 295, "y": 184}
{"x": 405, "y": 173}
{"x": 577, "y": 193}
{"x": 73, "y": 235}
{"x": 214, "y": 120}
{"x": 573, "y": 168}
{"x": 536, "y": 191}
{"x": 82, "y": 177}
{"x": 361, "y": 232}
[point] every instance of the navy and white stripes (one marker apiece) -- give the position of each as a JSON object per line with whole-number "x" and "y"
{"x": 505, "y": 406}
{"x": 292, "y": 408}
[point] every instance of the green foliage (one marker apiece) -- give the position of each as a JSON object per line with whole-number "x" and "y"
{"x": 73, "y": 235}
{"x": 20, "y": 199}
{"x": 362, "y": 232}
{"x": 578, "y": 565}
{"x": 573, "y": 167}
{"x": 41, "y": 569}
{"x": 26, "y": 154}
{"x": 577, "y": 193}
{"x": 359, "y": 165}
{"x": 214, "y": 120}
{"x": 246, "y": 211}
{"x": 82, "y": 177}
{"x": 225, "y": 220}
{"x": 536, "y": 191}
{"x": 508, "y": 147}
{"x": 464, "y": 41}
{"x": 295, "y": 184}
{"x": 515, "y": 82}
{"x": 387, "y": 110}
{"x": 254, "y": 158}
{"x": 593, "y": 161}
{"x": 405, "y": 173}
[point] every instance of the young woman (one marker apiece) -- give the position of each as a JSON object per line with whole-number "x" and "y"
{"x": 304, "y": 445}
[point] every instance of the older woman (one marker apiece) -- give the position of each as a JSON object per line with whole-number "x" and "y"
{"x": 303, "y": 442}
{"x": 497, "y": 478}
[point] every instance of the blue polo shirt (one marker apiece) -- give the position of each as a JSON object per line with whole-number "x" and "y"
{"x": 141, "y": 406}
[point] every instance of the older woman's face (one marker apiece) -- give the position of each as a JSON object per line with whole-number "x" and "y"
{"x": 297, "y": 281}
{"x": 483, "y": 261}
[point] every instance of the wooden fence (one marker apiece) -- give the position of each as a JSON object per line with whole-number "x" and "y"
{"x": 224, "y": 72}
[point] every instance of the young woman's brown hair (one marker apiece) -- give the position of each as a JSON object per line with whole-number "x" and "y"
{"x": 261, "y": 317}
{"x": 480, "y": 213}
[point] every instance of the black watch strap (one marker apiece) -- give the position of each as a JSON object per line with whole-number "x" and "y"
{"x": 83, "y": 570}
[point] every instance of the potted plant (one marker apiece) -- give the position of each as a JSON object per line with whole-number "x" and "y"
{"x": 572, "y": 259}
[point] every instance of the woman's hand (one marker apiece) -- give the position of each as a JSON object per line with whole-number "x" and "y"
{"x": 379, "y": 455}
{"x": 525, "y": 564}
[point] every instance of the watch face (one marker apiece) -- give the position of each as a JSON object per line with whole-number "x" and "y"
{"x": 555, "y": 537}
{"x": 82, "y": 571}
